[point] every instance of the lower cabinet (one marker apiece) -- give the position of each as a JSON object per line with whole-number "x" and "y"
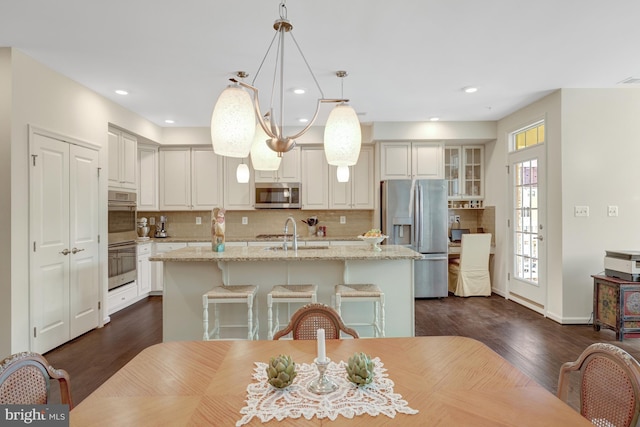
{"x": 144, "y": 269}
{"x": 157, "y": 271}
{"x": 122, "y": 297}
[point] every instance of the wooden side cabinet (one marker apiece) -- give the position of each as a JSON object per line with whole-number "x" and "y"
{"x": 616, "y": 306}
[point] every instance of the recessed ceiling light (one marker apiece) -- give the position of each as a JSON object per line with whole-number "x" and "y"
{"x": 470, "y": 89}
{"x": 303, "y": 120}
{"x": 169, "y": 121}
{"x": 122, "y": 92}
{"x": 299, "y": 91}
{"x": 434, "y": 119}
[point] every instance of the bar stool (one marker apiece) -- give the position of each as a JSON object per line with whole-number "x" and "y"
{"x": 363, "y": 293}
{"x": 236, "y": 294}
{"x": 281, "y": 294}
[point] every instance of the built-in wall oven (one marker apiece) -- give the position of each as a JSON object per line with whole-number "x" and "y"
{"x": 122, "y": 238}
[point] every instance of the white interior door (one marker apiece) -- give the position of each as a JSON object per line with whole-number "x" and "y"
{"x": 64, "y": 255}
{"x": 527, "y": 270}
{"x": 84, "y": 281}
{"x": 49, "y": 232}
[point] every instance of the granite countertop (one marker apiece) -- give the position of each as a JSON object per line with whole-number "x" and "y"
{"x": 305, "y": 253}
{"x": 248, "y": 239}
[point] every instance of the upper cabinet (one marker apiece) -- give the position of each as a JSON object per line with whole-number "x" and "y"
{"x": 315, "y": 179}
{"x": 237, "y": 196}
{"x": 411, "y": 160}
{"x": 358, "y": 192}
{"x": 190, "y": 178}
{"x": 464, "y": 171}
{"x": 122, "y": 160}
{"x": 289, "y": 170}
{"x": 147, "y": 177}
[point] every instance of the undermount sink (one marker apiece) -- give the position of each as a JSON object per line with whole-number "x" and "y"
{"x": 280, "y": 248}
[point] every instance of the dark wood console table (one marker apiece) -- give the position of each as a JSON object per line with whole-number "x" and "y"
{"x": 616, "y": 306}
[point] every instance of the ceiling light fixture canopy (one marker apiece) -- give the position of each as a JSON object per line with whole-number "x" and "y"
{"x": 238, "y": 107}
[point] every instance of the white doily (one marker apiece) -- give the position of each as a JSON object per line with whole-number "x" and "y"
{"x": 267, "y": 402}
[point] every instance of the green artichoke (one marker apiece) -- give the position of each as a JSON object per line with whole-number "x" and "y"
{"x": 360, "y": 369}
{"x": 281, "y": 371}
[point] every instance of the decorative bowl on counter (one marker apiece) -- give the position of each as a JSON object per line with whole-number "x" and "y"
{"x": 373, "y": 241}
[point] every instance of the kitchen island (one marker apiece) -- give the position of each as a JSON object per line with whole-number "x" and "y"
{"x": 192, "y": 271}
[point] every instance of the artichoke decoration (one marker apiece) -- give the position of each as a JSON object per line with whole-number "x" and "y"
{"x": 281, "y": 371}
{"x": 360, "y": 369}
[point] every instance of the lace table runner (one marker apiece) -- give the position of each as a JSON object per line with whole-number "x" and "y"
{"x": 267, "y": 402}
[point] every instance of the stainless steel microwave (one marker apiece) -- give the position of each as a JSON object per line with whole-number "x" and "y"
{"x": 276, "y": 195}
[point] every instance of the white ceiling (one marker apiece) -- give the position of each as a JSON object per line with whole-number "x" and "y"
{"x": 407, "y": 59}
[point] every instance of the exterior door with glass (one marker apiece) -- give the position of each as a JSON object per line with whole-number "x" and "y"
{"x": 527, "y": 271}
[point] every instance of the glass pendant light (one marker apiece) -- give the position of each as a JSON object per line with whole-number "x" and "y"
{"x": 342, "y": 135}
{"x": 263, "y": 158}
{"x": 242, "y": 173}
{"x": 342, "y": 173}
{"x": 233, "y": 123}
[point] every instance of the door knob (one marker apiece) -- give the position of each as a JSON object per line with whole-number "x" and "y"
{"x": 540, "y": 238}
{"x": 65, "y": 252}
{"x": 75, "y": 250}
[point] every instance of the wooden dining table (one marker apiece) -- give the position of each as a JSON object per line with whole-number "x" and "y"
{"x": 451, "y": 381}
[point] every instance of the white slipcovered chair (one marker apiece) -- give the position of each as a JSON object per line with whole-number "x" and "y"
{"x": 469, "y": 274}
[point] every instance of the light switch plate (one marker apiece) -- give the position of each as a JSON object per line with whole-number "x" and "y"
{"x": 198, "y": 220}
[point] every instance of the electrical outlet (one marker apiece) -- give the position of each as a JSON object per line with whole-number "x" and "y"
{"x": 612, "y": 211}
{"x": 452, "y": 219}
{"x": 152, "y": 220}
{"x": 198, "y": 220}
{"x": 457, "y": 219}
{"x": 245, "y": 220}
{"x": 343, "y": 219}
{"x": 581, "y": 211}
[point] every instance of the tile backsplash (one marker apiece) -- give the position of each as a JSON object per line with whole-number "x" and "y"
{"x": 270, "y": 221}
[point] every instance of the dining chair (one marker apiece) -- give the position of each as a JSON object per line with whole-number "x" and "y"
{"x": 469, "y": 274}
{"x": 609, "y": 387}
{"x": 25, "y": 379}
{"x": 306, "y": 321}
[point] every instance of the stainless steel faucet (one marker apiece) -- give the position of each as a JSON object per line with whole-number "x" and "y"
{"x": 295, "y": 233}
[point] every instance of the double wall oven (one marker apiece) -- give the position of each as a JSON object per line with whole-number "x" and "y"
{"x": 122, "y": 238}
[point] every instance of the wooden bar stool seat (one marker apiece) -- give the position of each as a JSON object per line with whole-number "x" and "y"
{"x": 363, "y": 293}
{"x": 236, "y": 294}
{"x": 287, "y": 294}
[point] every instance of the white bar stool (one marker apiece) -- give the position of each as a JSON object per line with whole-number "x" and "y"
{"x": 363, "y": 293}
{"x": 287, "y": 294}
{"x": 236, "y": 294}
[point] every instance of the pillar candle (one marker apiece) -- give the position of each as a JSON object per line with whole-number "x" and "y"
{"x": 321, "y": 350}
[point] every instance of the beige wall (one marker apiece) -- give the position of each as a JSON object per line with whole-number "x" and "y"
{"x": 50, "y": 101}
{"x": 6, "y": 95}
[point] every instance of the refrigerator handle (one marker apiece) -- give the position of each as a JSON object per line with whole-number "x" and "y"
{"x": 417, "y": 214}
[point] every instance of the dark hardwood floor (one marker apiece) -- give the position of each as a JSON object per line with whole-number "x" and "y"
{"x": 532, "y": 343}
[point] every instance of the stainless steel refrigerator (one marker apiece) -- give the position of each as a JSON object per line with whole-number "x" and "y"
{"x": 414, "y": 214}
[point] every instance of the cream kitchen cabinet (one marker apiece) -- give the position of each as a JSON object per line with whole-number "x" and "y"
{"x": 122, "y": 160}
{"x": 358, "y": 192}
{"x": 147, "y": 177}
{"x": 237, "y": 196}
{"x": 144, "y": 269}
{"x": 464, "y": 172}
{"x": 411, "y": 160}
{"x": 315, "y": 178}
{"x": 289, "y": 170}
{"x": 157, "y": 270}
{"x": 190, "y": 178}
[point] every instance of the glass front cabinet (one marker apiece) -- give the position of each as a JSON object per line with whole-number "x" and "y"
{"x": 464, "y": 172}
